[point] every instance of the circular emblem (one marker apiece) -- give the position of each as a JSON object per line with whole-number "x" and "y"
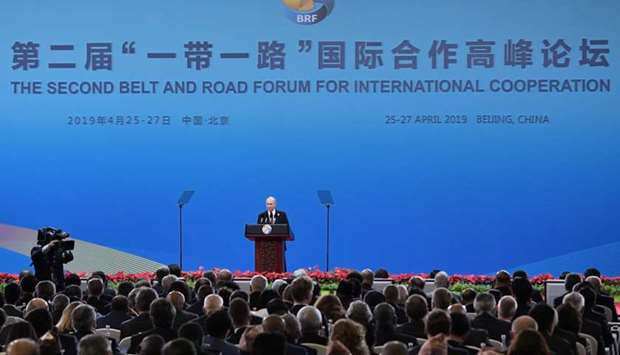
{"x": 266, "y": 229}
{"x": 308, "y": 12}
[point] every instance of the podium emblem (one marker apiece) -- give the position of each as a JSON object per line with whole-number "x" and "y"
{"x": 266, "y": 229}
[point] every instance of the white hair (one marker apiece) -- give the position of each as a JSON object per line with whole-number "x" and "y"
{"x": 442, "y": 280}
{"x": 299, "y": 273}
{"x": 359, "y": 312}
{"x": 575, "y": 299}
{"x": 484, "y": 302}
{"x": 212, "y": 304}
{"x": 277, "y": 284}
{"x": 258, "y": 283}
{"x": 167, "y": 281}
{"x": 507, "y": 307}
{"x": 310, "y": 319}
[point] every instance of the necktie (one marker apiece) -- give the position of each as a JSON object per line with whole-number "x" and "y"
{"x": 272, "y": 219}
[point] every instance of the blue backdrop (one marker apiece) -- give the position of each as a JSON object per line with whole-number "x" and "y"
{"x": 411, "y": 195}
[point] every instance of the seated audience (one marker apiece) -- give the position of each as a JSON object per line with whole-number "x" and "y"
{"x": 351, "y": 335}
{"x": 385, "y": 326}
{"x": 416, "y": 308}
{"x": 119, "y": 313}
{"x": 310, "y": 321}
{"x": 529, "y": 342}
{"x": 162, "y": 314}
{"x": 547, "y": 319}
{"x": 484, "y": 305}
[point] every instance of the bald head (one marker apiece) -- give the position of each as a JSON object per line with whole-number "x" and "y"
{"x": 177, "y": 299}
{"x": 522, "y": 323}
{"x": 212, "y": 304}
{"x": 273, "y": 324}
{"x": 22, "y": 347}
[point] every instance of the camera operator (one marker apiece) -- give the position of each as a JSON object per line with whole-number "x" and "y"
{"x": 50, "y": 255}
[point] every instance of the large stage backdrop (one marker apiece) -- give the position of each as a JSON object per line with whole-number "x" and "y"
{"x": 463, "y": 135}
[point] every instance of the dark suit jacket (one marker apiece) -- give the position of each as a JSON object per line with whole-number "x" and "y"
{"x": 166, "y": 333}
{"x": 213, "y": 343}
{"x": 557, "y": 302}
{"x": 197, "y": 307}
{"x": 559, "y": 345}
{"x": 202, "y": 322}
{"x": 594, "y": 329}
{"x": 114, "y": 319}
{"x": 401, "y": 316}
{"x": 523, "y": 310}
{"x": 451, "y": 350}
{"x": 100, "y": 305}
{"x": 255, "y": 299}
{"x": 384, "y": 335}
{"x": 313, "y": 339}
{"x": 415, "y": 329}
{"x": 570, "y": 338}
{"x": 280, "y": 216}
{"x": 12, "y": 311}
{"x": 68, "y": 343}
{"x": 292, "y": 349}
{"x": 136, "y": 325}
{"x": 182, "y": 318}
{"x": 600, "y": 319}
{"x": 477, "y": 336}
{"x": 235, "y": 337}
{"x": 461, "y": 346}
{"x": 608, "y": 302}
{"x": 495, "y": 327}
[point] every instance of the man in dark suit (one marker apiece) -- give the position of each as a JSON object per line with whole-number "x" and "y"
{"x": 484, "y": 305}
{"x": 589, "y": 312}
{"x": 271, "y": 215}
{"x": 385, "y": 326}
{"x": 438, "y": 322}
{"x": 162, "y": 314}
{"x": 570, "y": 281}
{"x": 12, "y": 293}
{"x": 590, "y": 327}
{"x": 545, "y": 317}
{"x": 310, "y": 321}
{"x": 275, "y": 324}
{"x": 602, "y": 299}
{"x": 143, "y": 321}
{"x": 239, "y": 312}
{"x": 182, "y": 316}
{"x": 416, "y": 308}
{"x": 119, "y": 313}
{"x": 218, "y": 325}
{"x": 459, "y": 330}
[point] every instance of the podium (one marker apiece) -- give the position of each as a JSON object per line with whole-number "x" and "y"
{"x": 269, "y": 245}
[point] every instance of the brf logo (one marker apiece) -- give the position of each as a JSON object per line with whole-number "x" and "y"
{"x": 308, "y": 12}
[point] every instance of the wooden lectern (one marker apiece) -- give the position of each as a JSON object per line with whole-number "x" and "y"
{"x": 269, "y": 245}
